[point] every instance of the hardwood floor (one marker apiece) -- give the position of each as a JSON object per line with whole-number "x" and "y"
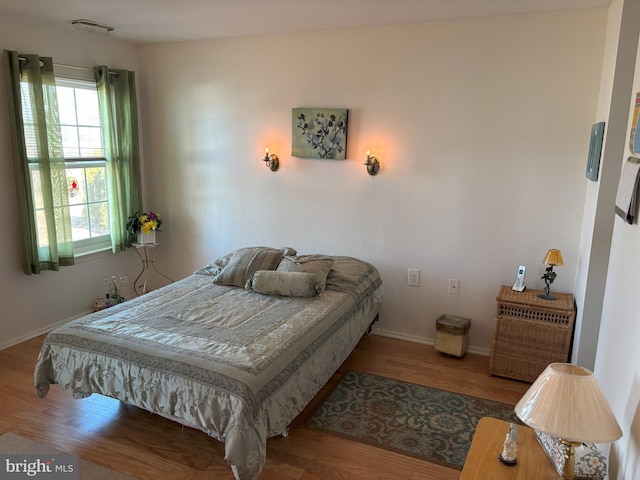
{"x": 147, "y": 446}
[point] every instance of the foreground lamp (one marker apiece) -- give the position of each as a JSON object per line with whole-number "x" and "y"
{"x": 552, "y": 258}
{"x": 271, "y": 160}
{"x": 566, "y": 401}
{"x": 372, "y": 163}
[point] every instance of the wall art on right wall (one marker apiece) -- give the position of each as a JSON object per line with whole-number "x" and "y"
{"x": 595, "y": 149}
{"x": 627, "y": 195}
{"x": 634, "y": 140}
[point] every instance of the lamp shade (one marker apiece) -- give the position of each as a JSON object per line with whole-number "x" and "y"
{"x": 566, "y": 401}
{"x": 553, "y": 257}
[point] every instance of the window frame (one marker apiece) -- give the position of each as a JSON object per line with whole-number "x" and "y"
{"x": 102, "y": 242}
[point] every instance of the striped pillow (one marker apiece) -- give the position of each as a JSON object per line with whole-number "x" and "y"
{"x": 285, "y": 284}
{"x": 245, "y": 262}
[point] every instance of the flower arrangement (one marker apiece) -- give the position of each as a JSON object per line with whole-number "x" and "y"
{"x": 143, "y": 222}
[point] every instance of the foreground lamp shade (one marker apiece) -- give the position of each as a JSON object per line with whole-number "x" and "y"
{"x": 566, "y": 401}
{"x": 553, "y": 257}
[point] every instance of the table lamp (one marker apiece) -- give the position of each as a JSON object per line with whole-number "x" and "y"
{"x": 566, "y": 401}
{"x": 552, "y": 258}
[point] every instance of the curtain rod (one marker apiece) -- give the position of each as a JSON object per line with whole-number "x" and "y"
{"x": 72, "y": 66}
{"x": 23, "y": 59}
{"x": 82, "y": 68}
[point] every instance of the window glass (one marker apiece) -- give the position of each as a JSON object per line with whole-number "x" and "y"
{"x": 79, "y": 119}
{"x": 86, "y": 169}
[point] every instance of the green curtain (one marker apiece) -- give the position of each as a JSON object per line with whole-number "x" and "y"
{"x": 118, "y": 112}
{"x": 39, "y": 166}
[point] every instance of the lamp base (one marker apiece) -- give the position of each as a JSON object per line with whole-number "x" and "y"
{"x": 547, "y": 296}
{"x": 569, "y": 458}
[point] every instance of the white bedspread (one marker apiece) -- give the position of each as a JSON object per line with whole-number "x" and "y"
{"x": 234, "y": 363}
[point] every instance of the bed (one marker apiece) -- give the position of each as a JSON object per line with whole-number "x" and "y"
{"x": 236, "y": 350}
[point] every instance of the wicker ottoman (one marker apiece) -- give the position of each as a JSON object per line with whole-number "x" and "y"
{"x": 452, "y": 335}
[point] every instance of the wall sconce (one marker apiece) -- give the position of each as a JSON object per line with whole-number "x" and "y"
{"x": 271, "y": 160}
{"x": 373, "y": 165}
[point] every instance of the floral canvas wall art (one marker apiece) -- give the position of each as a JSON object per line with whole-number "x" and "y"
{"x": 319, "y": 133}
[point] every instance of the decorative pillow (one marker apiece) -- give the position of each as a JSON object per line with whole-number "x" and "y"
{"x": 245, "y": 262}
{"x": 215, "y": 267}
{"x": 320, "y": 265}
{"x": 349, "y": 274}
{"x": 285, "y": 284}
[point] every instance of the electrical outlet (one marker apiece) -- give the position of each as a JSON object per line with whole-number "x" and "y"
{"x": 413, "y": 277}
{"x": 454, "y": 286}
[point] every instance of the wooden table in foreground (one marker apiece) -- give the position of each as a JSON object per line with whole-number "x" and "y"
{"x": 482, "y": 460}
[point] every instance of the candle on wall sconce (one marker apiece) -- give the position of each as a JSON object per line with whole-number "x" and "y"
{"x": 271, "y": 160}
{"x": 373, "y": 166}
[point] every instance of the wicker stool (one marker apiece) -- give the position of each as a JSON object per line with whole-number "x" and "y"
{"x": 452, "y": 335}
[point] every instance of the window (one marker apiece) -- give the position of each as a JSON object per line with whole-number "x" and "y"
{"x": 86, "y": 173}
{"x": 83, "y": 151}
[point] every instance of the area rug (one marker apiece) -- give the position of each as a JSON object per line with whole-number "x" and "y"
{"x": 11, "y": 443}
{"x": 422, "y": 422}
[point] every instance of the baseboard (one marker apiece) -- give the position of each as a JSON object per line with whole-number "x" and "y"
{"x": 37, "y": 333}
{"x": 424, "y": 340}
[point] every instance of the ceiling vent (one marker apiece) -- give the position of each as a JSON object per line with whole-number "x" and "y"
{"x": 91, "y": 26}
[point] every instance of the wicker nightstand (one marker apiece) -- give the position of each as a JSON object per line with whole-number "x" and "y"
{"x": 530, "y": 333}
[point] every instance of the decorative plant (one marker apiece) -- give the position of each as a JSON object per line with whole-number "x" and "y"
{"x": 143, "y": 222}
{"x": 323, "y": 133}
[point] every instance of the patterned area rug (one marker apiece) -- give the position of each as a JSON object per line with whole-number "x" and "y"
{"x": 422, "y": 422}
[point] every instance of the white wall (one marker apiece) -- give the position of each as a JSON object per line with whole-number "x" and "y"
{"x": 597, "y": 225}
{"x": 617, "y": 363}
{"x": 31, "y": 304}
{"x": 468, "y": 118}
{"x": 481, "y": 126}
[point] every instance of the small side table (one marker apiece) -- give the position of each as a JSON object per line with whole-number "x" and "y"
{"x": 482, "y": 460}
{"x": 147, "y": 253}
{"x": 530, "y": 333}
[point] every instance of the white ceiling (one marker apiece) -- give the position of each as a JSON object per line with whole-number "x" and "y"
{"x": 146, "y": 21}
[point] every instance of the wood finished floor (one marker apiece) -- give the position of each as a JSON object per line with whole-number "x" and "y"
{"x": 147, "y": 446}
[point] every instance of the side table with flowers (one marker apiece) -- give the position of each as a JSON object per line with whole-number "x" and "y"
{"x": 145, "y": 225}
